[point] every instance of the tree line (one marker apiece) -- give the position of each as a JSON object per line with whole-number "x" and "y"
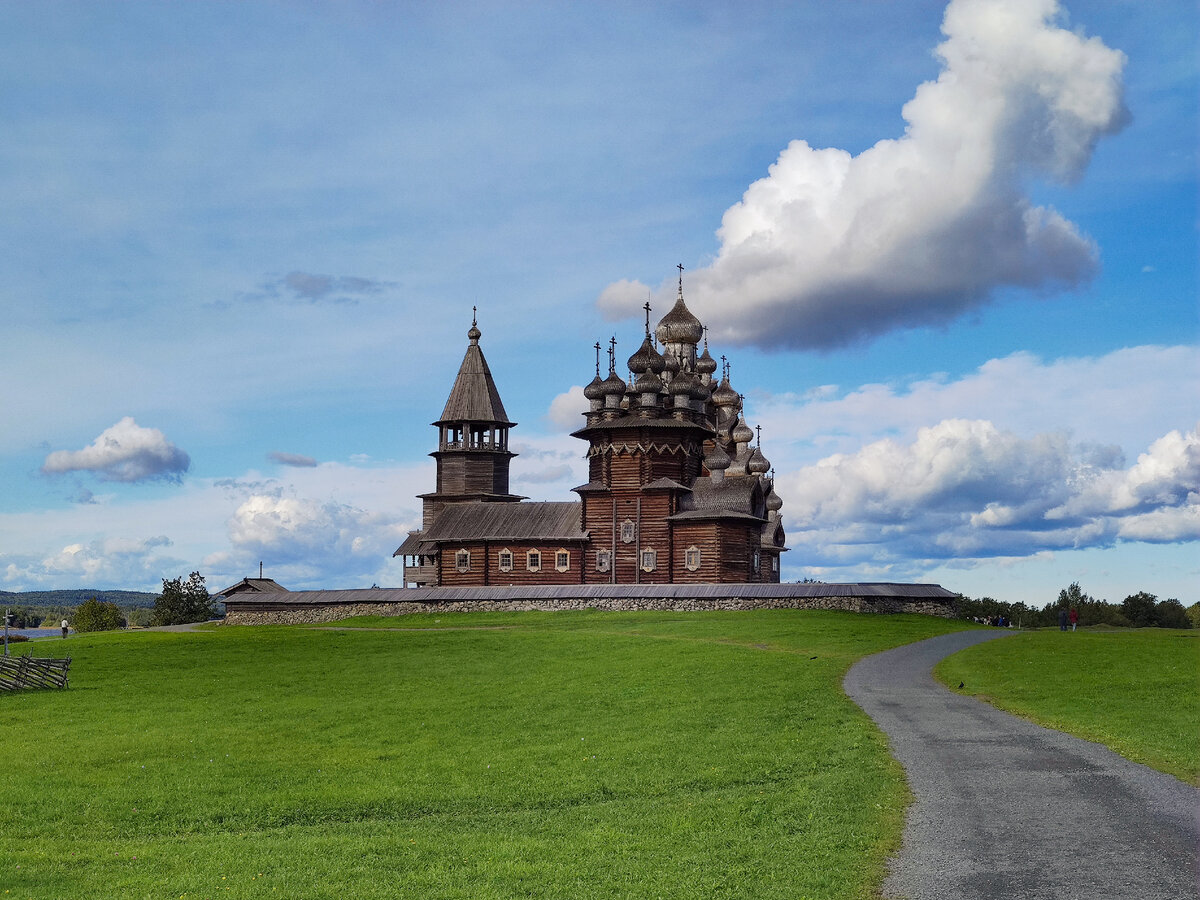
{"x": 180, "y": 602}
{"x": 1140, "y": 610}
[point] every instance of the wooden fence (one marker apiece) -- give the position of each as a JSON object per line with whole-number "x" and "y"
{"x": 18, "y": 672}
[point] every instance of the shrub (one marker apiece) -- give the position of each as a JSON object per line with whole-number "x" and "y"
{"x": 94, "y": 615}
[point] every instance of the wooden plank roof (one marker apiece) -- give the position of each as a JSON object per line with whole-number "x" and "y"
{"x": 462, "y": 522}
{"x": 474, "y": 397}
{"x": 253, "y": 586}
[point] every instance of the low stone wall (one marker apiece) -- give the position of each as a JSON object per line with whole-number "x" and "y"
{"x": 317, "y": 614}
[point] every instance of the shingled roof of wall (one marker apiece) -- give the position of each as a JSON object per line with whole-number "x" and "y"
{"x": 597, "y": 591}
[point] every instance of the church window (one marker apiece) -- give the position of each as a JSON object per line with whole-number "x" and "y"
{"x": 755, "y": 561}
{"x": 462, "y": 560}
{"x": 505, "y": 560}
{"x": 691, "y": 558}
{"x": 603, "y": 560}
{"x": 649, "y": 560}
{"x": 533, "y": 560}
{"x": 774, "y": 563}
{"x": 562, "y": 560}
{"x": 628, "y": 531}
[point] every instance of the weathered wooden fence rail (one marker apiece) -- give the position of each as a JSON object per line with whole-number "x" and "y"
{"x": 17, "y": 672}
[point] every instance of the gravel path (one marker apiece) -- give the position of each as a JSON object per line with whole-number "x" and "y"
{"x": 1007, "y": 809}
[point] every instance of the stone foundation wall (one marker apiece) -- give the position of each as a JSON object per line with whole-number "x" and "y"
{"x": 314, "y": 615}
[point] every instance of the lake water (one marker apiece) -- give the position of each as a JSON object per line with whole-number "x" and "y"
{"x": 29, "y": 632}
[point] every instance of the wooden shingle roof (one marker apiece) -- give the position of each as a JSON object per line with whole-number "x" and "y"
{"x": 474, "y": 397}
{"x": 463, "y": 522}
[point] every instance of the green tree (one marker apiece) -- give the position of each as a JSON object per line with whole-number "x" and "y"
{"x": 1073, "y": 596}
{"x": 1139, "y": 609}
{"x": 95, "y": 615}
{"x": 1193, "y": 614}
{"x": 183, "y": 601}
{"x": 1171, "y": 614}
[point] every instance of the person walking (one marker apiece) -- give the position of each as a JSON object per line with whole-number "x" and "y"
{"x": 1062, "y": 619}
{"x": 1074, "y": 617}
{"x": 66, "y": 626}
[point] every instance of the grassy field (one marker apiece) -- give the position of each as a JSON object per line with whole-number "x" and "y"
{"x": 1136, "y": 691}
{"x": 555, "y": 755}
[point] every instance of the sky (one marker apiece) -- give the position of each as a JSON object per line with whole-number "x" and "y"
{"x": 948, "y": 250}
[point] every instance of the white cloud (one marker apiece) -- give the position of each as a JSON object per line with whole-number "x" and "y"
{"x": 622, "y": 299}
{"x": 547, "y": 475}
{"x": 1127, "y": 398}
{"x": 125, "y": 452}
{"x": 306, "y": 542}
{"x": 967, "y": 490}
{"x": 830, "y": 248}
{"x": 99, "y": 563}
{"x": 566, "y": 409}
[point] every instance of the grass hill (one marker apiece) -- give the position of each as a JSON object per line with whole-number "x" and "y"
{"x": 584, "y": 755}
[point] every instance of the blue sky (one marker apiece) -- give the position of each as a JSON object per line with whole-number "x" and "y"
{"x": 958, "y": 287}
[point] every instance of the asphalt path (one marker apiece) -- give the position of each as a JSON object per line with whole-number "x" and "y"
{"x": 1007, "y": 809}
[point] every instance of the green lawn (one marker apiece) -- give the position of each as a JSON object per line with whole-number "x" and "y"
{"x": 541, "y": 755}
{"x": 1136, "y": 691}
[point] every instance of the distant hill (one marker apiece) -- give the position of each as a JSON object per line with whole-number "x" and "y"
{"x": 127, "y": 599}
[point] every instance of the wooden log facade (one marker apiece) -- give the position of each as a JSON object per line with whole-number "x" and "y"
{"x": 678, "y": 492}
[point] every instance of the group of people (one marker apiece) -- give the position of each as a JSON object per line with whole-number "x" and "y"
{"x": 995, "y": 621}
{"x": 1066, "y": 616}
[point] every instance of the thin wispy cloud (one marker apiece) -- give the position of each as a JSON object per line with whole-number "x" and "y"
{"x": 296, "y": 460}
{"x": 831, "y": 248}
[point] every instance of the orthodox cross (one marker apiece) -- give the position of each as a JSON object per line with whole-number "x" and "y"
{"x": 724, "y": 367}
{"x": 758, "y": 429}
{"x": 612, "y": 355}
{"x": 680, "y": 268}
{"x": 474, "y": 311}
{"x": 647, "y": 309}
{"x": 705, "y": 337}
{"x": 597, "y": 359}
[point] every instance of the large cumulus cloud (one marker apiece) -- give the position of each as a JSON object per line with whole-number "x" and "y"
{"x": 303, "y": 539}
{"x": 125, "y": 452}
{"x": 965, "y": 489}
{"x": 830, "y": 247}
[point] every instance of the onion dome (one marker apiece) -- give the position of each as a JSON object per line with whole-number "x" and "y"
{"x": 702, "y": 391}
{"x": 595, "y": 389}
{"x": 744, "y": 434}
{"x": 640, "y": 361}
{"x": 647, "y": 383}
{"x": 671, "y": 363}
{"x": 474, "y": 333}
{"x": 613, "y": 385}
{"x": 685, "y": 383}
{"x": 773, "y": 502}
{"x": 717, "y": 459}
{"x": 705, "y": 364}
{"x": 679, "y": 325}
{"x": 724, "y": 395}
{"x": 758, "y": 464}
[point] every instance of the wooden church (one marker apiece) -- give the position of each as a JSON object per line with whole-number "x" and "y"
{"x": 678, "y": 489}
